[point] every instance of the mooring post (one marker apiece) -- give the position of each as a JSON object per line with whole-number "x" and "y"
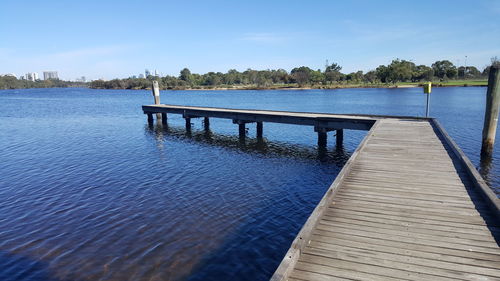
{"x": 156, "y": 95}
{"x": 242, "y": 130}
{"x": 188, "y": 123}
{"x": 260, "y": 128}
{"x": 491, "y": 112}
{"x": 322, "y": 138}
{"x": 206, "y": 123}
{"x": 150, "y": 117}
{"x": 340, "y": 137}
{"x": 164, "y": 118}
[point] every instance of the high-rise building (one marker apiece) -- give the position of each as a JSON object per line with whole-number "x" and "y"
{"x": 50, "y": 75}
{"x": 31, "y": 76}
{"x": 147, "y": 73}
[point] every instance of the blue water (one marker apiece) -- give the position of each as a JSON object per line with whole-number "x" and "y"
{"x": 90, "y": 191}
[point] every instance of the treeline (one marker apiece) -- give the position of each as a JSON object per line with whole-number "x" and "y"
{"x": 397, "y": 71}
{"x": 11, "y": 82}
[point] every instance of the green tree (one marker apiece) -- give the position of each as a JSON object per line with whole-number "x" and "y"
{"x": 370, "y": 76}
{"x": 400, "y": 71}
{"x": 185, "y": 75}
{"x": 444, "y": 69}
{"x": 301, "y": 75}
{"x": 332, "y": 73}
{"x": 382, "y": 73}
{"x": 423, "y": 73}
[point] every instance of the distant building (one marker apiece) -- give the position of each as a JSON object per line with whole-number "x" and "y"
{"x": 81, "y": 79}
{"x": 31, "y": 76}
{"x": 156, "y": 73}
{"x": 147, "y": 73}
{"x": 50, "y": 75}
{"x": 141, "y": 76}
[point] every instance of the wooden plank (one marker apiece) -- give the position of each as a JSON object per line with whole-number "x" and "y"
{"x": 372, "y": 248}
{"x": 381, "y": 269}
{"x": 414, "y": 238}
{"x": 319, "y": 269}
{"x": 287, "y": 264}
{"x": 408, "y": 265}
{"x": 334, "y": 236}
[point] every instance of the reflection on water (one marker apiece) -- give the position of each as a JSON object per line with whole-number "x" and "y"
{"x": 337, "y": 156}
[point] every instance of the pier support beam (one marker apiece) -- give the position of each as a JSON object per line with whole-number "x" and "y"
{"x": 491, "y": 112}
{"x": 206, "y": 123}
{"x": 322, "y": 139}
{"x": 340, "y": 137}
{"x": 260, "y": 128}
{"x": 242, "y": 130}
{"x": 164, "y": 118}
{"x": 241, "y": 127}
{"x": 188, "y": 123}
{"x": 150, "y": 117}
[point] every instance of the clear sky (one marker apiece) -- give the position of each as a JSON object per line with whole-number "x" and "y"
{"x": 117, "y": 39}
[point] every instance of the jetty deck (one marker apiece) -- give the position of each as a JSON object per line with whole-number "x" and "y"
{"x": 408, "y": 205}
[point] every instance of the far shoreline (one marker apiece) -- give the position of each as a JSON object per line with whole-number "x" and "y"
{"x": 291, "y": 88}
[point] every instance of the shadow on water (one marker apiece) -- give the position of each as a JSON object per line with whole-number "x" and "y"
{"x": 264, "y": 237}
{"x": 14, "y": 267}
{"x": 337, "y": 156}
{"x": 492, "y": 222}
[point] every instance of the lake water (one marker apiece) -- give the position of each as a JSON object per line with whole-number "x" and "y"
{"x": 90, "y": 191}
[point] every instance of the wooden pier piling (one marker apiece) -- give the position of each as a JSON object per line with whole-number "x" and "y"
{"x": 491, "y": 111}
{"x": 164, "y": 118}
{"x": 156, "y": 95}
{"x": 206, "y": 123}
{"x": 260, "y": 129}
{"x": 339, "y": 137}
{"x": 188, "y": 123}
{"x": 242, "y": 130}
{"x": 322, "y": 139}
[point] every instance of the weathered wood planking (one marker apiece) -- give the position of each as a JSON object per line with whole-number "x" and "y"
{"x": 408, "y": 205}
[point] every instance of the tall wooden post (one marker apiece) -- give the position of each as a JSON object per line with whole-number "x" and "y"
{"x": 156, "y": 95}
{"x": 491, "y": 112}
{"x": 259, "y": 130}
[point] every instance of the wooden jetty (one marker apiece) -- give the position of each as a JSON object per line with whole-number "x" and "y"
{"x": 408, "y": 204}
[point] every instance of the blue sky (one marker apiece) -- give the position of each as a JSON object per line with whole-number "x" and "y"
{"x": 109, "y": 39}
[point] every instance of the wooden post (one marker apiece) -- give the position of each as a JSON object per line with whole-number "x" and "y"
{"x": 150, "y": 117}
{"x": 241, "y": 129}
{"x": 164, "y": 118}
{"x": 188, "y": 123}
{"x": 259, "y": 130}
{"x": 491, "y": 112}
{"x": 322, "y": 138}
{"x": 340, "y": 137}
{"x": 206, "y": 123}
{"x": 156, "y": 95}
